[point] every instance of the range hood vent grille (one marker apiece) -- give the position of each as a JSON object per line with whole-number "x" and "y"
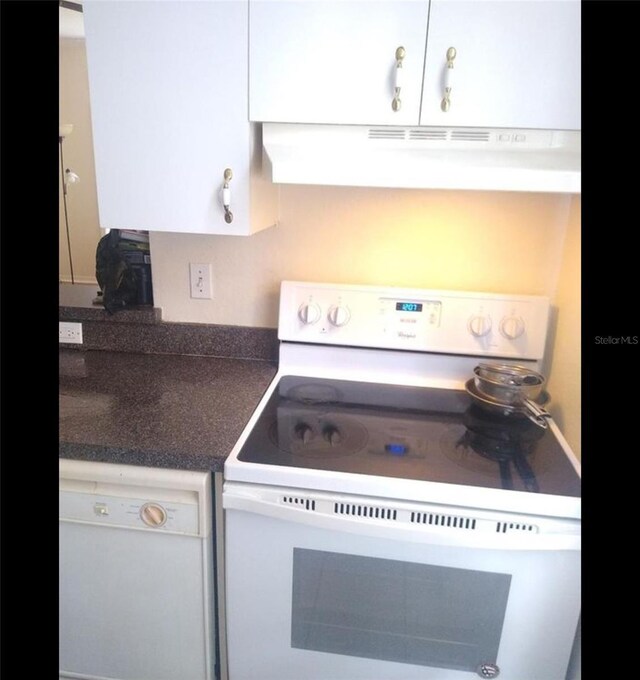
{"x": 427, "y": 134}
{"x": 387, "y": 133}
{"x": 430, "y": 133}
{"x": 484, "y": 159}
{"x": 470, "y": 136}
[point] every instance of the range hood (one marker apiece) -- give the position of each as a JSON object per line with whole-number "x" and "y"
{"x": 486, "y": 159}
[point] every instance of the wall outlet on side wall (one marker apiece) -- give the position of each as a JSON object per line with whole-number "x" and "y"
{"x": 70, "y": 332}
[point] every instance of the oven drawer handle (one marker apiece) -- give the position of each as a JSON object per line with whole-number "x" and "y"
{"x": 247, "y": 500}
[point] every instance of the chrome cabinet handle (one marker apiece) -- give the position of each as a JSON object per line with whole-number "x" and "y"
{"x": 226, "y": 196}
{"x": 400, "y": 55}
{"x": 445, "y": 104}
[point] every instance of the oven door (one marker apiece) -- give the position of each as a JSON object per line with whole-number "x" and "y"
{"x": 333, "y": 587}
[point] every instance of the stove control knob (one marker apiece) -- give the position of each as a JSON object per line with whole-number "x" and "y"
{"x": 309, "y": 313}
{"x": 339, "y": 315}
{"x": 332, "y": 435}
{"x": 153, "y": 515}
{"x": 479, "y": 325}
{"x": 512, "y": 327}
{"x": 304, "y": 433}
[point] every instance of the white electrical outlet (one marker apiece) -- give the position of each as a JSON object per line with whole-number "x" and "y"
{"x": 200, "y": 278}
{"x": 70, "y": 332}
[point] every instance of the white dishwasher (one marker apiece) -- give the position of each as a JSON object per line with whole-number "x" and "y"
{"x": 137, "y": 595}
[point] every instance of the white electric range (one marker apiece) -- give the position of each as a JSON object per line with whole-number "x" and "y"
{"x": 378, "y": 523}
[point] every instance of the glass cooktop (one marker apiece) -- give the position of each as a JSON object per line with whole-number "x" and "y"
{"x": 421, "y": 433}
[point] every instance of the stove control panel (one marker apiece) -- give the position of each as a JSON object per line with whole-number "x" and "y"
{"x": 452, "y": 322}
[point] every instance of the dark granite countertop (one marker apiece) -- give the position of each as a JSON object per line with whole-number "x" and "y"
{"x": 172, "y": 411}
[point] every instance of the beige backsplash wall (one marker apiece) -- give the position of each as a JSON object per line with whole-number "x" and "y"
{"x": 566, "y": 357}
{"x": 485, "y": 241}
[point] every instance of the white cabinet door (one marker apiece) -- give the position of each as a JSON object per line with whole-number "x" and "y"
{"x": 517, "y": 64}
{"x": 335, "y": 62}
{"x": 169, "y": 100}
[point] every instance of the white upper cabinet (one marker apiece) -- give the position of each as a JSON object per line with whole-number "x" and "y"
{"x": 335, "y": 62}
{"x": 516, "y": 64}
{"x": 169, "y": 101}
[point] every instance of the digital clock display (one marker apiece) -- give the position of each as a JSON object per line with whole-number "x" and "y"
{"x": 408, "y": 306}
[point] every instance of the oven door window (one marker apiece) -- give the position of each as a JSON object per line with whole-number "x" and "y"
{"x": 397, "y": 611}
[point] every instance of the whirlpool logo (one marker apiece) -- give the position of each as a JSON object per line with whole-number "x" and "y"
{"x": 617, "y": 339}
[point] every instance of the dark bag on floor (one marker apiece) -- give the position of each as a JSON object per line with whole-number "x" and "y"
{"x": 115, "y": 275}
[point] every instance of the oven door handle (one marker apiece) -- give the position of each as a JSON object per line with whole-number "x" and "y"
{"x": 267, "y": 502}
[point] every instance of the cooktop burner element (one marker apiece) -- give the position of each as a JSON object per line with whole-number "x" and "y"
{"x": 421, "y": 433}
{"x": 314, "y": 393}
{"x": 473, "y": 450}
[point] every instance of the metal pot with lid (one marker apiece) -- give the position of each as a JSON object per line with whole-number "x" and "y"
{"x": 510, "y": 389}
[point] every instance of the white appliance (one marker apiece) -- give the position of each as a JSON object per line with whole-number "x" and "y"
{"x": 136, "y": 573}
{"x": 489, "y": 159}
{"x": 381, "y": 525}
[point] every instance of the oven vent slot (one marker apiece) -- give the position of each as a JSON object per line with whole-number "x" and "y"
{"x": 306, "y": 503}
{"x": 443, "y": 520}
{"x": 358, "y": 510}
{"x": 503, "y": 527}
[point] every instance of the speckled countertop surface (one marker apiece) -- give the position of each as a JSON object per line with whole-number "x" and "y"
{"x": 172, "y": 411}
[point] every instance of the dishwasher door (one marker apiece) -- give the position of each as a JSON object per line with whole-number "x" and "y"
{"x": 136, "y": 573}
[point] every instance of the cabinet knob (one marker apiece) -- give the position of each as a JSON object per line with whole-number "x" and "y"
{"x": 400, "y": 55}
{"x": 445, "y": 104}
{"x": 226, "y": 196}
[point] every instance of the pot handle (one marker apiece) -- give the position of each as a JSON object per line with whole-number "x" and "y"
{"x": 536, "y": 413}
